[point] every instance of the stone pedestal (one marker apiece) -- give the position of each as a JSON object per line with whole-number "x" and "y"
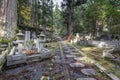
{"x": 16, "y": 59}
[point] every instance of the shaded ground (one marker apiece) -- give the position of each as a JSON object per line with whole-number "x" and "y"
{"x": 55, "y": 68}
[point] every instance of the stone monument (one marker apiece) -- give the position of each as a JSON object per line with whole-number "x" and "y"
{"x": 20, "y": 41}
{"x": 16, "y": 55}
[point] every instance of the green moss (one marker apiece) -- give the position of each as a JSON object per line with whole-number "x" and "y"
{"x": 57, "y": 76}
{"x": 4, "y": 40}
{"x": 96, "y": 54}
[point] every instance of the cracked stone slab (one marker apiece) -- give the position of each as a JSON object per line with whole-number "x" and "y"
{"x": 86, "y": 78}
{"x": 71, "y": 56}
{"x": 77, "y": 65}
{"x": 79, "y": 58}
{"x": 88, "y": 71}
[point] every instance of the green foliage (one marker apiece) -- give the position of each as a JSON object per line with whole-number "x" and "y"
{"x": 97, "y": 10}
{"x": 16, "y": 30}
{"x": 35, "y": 13}
{"x": 115, "y": 29}
{"x": 45, "y": 13}
{"x": 24, "y": 13}
{"x": 72, "y": 15}
{"x": 4, "y": 40}
{"x": 0, "y": 1}
{"x": 81, "y": 15}
{"x": 115, "y": 3}
{"x": 58, "y": 20}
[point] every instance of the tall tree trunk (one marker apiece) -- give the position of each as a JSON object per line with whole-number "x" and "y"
{"x": 3, "y": 9}
{"x": 8, "y": 17}
{"x": 11, "y": 18}
{"x": 69, "y": 16}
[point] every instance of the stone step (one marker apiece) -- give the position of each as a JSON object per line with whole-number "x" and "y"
{"x": 88, "y": 71}
{"x": 86, "y": 78}
{"x": 77, "y": 65}
{"x": 70, "y": 56}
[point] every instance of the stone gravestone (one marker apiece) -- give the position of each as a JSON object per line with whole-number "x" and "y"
{"x": 20, "y": 41}
{"x": 20, "y": 48}
{"x": 76, "y": 38}
{"x": 34, "y": 35}
{"x": 38, "y": 45}
{"x": 27, "y": 35}
{"x": 17, "y": 57}
{"x": 27, "y": 39}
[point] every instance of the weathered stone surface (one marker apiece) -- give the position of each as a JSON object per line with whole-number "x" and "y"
{"x": 77, "y": 65}
{"x": 79, "y": 58}
{"x": 16, "y": 59}
{"x": 88, "y": 71}
{"x": 86, "y": 79}
{"x": 70, "y": 56}
{"x": 107, "y": 53}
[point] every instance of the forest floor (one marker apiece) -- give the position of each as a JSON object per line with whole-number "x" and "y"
{"x": 67, "y": 64}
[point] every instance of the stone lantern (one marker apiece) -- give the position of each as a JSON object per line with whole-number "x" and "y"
{"x": 40, "y": 42}
{"x": 20, "y": 41}
{"x": 20, "y": 35}
{"x": 42, "y": 37}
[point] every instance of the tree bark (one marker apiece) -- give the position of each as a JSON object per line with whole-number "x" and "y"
{"x": 69, "y": 16}
{"x": 9, "y": 14}
{"x": 12, "y": 17}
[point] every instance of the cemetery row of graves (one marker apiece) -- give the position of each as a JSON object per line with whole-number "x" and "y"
{"x": 21, "y": 50}
{"x": 66, "y": 63}
{"x": 39, "y": 57}
{"x": 59, "y": 40}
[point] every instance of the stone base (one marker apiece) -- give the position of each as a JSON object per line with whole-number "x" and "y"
{"x": 88, "y": 71}
{"x": 16, "y": 59}
{"x": 34, "y": 57}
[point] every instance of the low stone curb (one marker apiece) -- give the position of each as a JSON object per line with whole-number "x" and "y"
{"x": 66, "y": 71}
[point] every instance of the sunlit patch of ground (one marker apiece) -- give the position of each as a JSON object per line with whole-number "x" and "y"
{"x": 96, "y": 54}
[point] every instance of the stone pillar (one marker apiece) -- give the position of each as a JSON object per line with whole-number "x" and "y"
{"x": 27, "y": 35}
{"x": 38, "y": 45}
{"x": 27, "y": 40}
